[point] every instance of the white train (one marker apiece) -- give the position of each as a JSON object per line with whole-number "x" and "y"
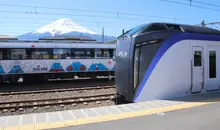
{"x": 39, "y": 61}
{"x": 164, "y": 60}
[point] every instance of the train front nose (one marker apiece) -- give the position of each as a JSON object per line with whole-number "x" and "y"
{"x": 123, "y": 70}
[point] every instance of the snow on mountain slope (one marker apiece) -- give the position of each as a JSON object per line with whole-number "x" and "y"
{"x": 63, "y": 27}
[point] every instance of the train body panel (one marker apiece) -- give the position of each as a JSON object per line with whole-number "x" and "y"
{"x": 167, "y": 78}
{"x": 121, "y": 66}
{"x": 55, "y": 59}
{"x": 166, "y": 64}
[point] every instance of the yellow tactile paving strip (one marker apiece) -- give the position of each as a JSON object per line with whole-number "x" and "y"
{"x": 83, "y": 121}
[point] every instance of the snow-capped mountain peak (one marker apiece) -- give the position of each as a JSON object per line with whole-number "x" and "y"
{"x": 62, "y": 26}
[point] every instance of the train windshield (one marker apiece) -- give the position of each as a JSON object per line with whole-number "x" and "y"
{"x": 134, "y": 30}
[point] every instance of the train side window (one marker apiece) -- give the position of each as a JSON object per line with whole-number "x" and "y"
{"x": 2, "y": 54}
{"x": 28, "y": 53}
{"x": 92, "y": 51}
{"x": 136, "y": 67}
{"x": 18, "y": 54}
{"x": 111, "y": 53}
{"x": 101, "y": 53}
{"x": 82, "y": 53}
{"x": 197, "y": 58}
{"x": 114, "y": 54}
{"x": 61, "y": 53}
{"x": 212, "y": 64}
{"x": 41, "y": 54}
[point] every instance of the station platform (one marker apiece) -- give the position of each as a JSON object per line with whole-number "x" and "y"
{"x": 157, "y": 114}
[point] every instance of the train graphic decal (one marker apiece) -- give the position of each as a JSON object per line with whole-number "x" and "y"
{"x": 56, "y": 67}
{"x": 113, "y": 68}
{"x": 76, "y": 66}
{"x": 97, "y": 66}
{"x": 1, "y": 70}
{"x": 16, "y": 70}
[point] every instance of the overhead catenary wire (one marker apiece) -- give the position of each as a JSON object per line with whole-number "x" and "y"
{"x": 203, "y": 3}
{"x": 50, "y": 19}
{"x": 216, "y": 26}
{"x": 94, "y": 11}
{"x": 36, "y": 12}
{"x": 16, "y": 24}
{"x": 76, "y": 15}
{"x": 188, "y": 4}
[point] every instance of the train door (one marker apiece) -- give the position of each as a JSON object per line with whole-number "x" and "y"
{"x": 197, "y": 70}
{"x": 212, "y": 81}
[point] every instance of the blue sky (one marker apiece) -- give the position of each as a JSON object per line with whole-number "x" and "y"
{"x": 19, "y": 23}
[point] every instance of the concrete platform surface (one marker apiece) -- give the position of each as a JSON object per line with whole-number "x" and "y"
{"x": 198, "y": 118}
{"x": 82, "y": 117}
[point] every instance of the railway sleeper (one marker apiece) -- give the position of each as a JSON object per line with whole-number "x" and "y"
{"x": 53, "y": 103}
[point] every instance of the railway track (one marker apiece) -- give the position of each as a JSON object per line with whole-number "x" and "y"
{"x": 34, "y": 104}
{"x": 57, "y": 90}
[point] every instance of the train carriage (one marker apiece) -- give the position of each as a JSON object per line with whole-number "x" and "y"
{"x": 43, "y": 60}
{"x": 165, "y": 60}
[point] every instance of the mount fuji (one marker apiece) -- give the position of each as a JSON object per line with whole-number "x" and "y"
{"x": 64, "y": 27}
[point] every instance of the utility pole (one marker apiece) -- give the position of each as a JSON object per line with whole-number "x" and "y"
{"x": 103, "y": 37}
{"x": 123, "y": 31}
{"x": 203, "y": 23}
{"x": 190, "y": 2}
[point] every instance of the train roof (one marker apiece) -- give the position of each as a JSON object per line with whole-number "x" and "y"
{"x": 42, "y": 44}
{"x": 193, "y": 28}
{"x": 171, "y": 27}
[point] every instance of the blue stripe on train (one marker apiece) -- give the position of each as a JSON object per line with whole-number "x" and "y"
{"x": 165, "y": 46}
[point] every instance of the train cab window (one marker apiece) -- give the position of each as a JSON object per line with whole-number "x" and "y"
{"x": 82, "y": 53}
{"x": 18, "y": 54}
{"x": 212, "y": 64}
{"x": 134, "y": 30}
{"x": 197, "y": 58}
{"x": 41, "y": 54}
{"x": 61, "y": 53}
{"x": 101, "y": 53}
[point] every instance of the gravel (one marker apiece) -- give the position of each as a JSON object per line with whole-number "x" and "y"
{"x": 56, "y": 108}
{"x": 48, "y": 86}
{"x": 23, "y": 97}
